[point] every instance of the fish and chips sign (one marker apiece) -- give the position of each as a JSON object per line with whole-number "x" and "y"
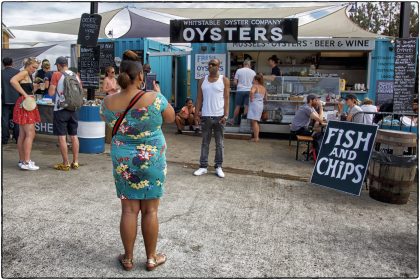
{"x": 344, "y": 156}
{"x": 256, "y": 30}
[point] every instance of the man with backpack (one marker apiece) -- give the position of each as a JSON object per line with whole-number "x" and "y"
{"x": 69, "y": 98}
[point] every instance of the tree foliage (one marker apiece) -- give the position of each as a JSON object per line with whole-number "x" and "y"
{"x": 384, "y": 18}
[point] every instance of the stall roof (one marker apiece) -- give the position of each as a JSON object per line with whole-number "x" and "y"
{"x": 18, "y": 55}
{"x": 142, "y": 27}
{"x": 70, "y": 26}
{"x": 198, "y": 13}
{"x": 336, "y": 24}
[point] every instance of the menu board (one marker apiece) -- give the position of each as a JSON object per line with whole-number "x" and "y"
{"x": 89, "y": 30}
{"x": 404, "y": 74}
{"x": 106, "y": 55}
{"x": 89, "y": 66}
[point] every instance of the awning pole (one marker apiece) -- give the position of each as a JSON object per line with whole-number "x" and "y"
{"x": 405, "y": 20}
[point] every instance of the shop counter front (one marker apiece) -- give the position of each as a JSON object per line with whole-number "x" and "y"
{"x": 46, "y": 112}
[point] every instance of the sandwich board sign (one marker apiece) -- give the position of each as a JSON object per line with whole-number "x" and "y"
{"x": 344, "y": 156}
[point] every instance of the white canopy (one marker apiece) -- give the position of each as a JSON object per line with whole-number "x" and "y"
{"x": 70, "y": 26}
{"x": 204, "y": 13}
{"x": 336, "y": 24}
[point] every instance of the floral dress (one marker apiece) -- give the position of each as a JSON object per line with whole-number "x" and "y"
{"x": 138, "y": 151}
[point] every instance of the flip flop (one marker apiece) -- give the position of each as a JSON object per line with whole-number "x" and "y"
{"x": 152, "y": 264}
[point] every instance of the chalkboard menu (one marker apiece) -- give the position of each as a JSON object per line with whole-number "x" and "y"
{"x": 404, "y": 74}
{"x": 89, "y": 66}
{"x": 89, "y": 30}
{"x": 106, "y": 55}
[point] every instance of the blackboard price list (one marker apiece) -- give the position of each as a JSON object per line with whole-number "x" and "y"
{"x": 89, "y": 30}
{"x": 404, "y": 74}
{"x": 89, "y": 66}
{"x": 106, "y": 57}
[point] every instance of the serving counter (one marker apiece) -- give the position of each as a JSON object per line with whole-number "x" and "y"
{"x": 287, "y": 93}
{"x": 46, "y": 112}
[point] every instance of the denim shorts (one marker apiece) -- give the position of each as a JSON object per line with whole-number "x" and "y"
{"x": 242, "y": 98}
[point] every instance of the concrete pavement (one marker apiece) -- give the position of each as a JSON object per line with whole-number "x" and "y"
{"x": 66, "y": 224}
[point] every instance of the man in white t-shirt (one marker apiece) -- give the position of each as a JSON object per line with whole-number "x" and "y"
{"x": 64, "y": 122}
{"x": 243, "y": 81}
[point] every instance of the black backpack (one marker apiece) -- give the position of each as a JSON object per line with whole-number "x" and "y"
{"x": 73, "y": 93}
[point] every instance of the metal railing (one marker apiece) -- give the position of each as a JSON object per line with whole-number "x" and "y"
{"x": 395, "y": 116}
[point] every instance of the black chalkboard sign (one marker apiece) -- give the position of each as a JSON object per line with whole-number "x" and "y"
{"x": 106, "y": 56}
{"x": 344, "y": 156}
{"x": 404, "y": 74}
{"x": 89, "y": 30}
{"x": 89, "y": 66}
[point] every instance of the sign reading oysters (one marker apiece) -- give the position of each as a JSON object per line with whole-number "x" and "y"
{"x": 258, "y": 30}
{"x": 344, "y": 156}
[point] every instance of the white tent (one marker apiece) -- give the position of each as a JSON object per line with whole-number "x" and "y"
{"x": 204, "y": 13}
{"x": 336, "y": 24}
{"x": 70, "y": 26}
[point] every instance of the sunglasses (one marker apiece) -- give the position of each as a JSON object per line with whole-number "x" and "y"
{"x": 211, "y": 64}
{"x": 113, "y": 72}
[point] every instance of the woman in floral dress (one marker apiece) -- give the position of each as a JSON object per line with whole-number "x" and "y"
{"x": 138, "y": 157}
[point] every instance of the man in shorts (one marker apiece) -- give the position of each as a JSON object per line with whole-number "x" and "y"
{"x": 243, "y": 81}
{"x": 65, "y": 121}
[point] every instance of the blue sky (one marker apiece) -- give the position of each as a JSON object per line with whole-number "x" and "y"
{"x": 27, "y": 13}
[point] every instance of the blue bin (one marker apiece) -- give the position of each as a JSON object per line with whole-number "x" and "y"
{"x": 91, "y": 130}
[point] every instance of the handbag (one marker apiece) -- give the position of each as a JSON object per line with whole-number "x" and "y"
{"x": 130, "y": 105}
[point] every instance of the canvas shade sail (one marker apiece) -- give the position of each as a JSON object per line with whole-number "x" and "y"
{"x": 206, "y": 13}
{"x": 70, "y": 26}
{"x": 18, "y": 55}
{"x": 336, "y": 24}
{"x": 142, "y": 27}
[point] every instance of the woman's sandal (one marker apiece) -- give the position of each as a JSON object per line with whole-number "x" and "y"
{"x": 126, "y": 263}
{"x": 152, "y": 264}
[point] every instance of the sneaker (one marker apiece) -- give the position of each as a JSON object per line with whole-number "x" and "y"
{"x": 178, "y": 132}
{"x": 200, "y": 171}
{"x": 29, "y": 166}
{"x": 220, "y": 173}
{"x": 21, "y": 162}
{"x": 74, "y": 165}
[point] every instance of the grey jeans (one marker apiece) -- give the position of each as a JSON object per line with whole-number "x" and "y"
{"x": 209, "y": 125}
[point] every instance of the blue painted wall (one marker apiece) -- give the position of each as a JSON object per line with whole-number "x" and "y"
{"x": 382, "y": 67}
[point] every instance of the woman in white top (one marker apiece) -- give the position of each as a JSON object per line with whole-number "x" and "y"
{"x": 256, "y": 105}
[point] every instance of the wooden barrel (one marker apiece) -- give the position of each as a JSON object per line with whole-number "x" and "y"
{"x": 390, "y": 181}
{"x": 397, "y": 141}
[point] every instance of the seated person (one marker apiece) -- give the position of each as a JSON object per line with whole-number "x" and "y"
{"x": 370, "y": 108}
{"x": 354, "y": 113}
{"x": 303, "y": 117}
{"x": 186, "y": 116}
{"x": 305, "y": 114}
